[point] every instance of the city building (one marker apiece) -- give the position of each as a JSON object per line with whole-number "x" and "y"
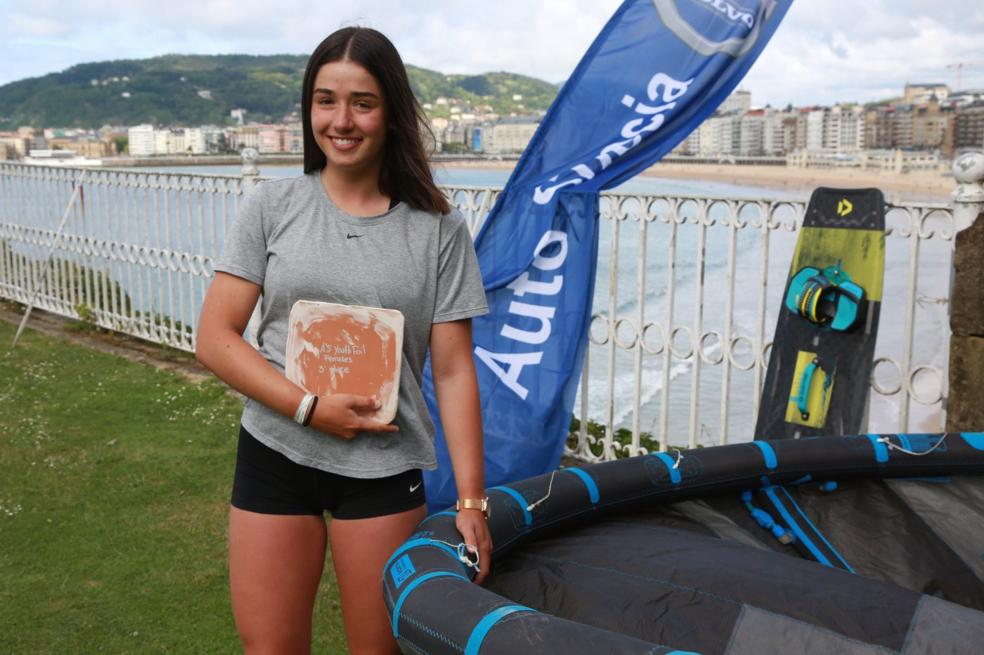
{"x": 932, "y": 127}
{"x": 245, "y": 136}
{"x": 751, "y": 133}
{"x": 194, "y": 141}
{"x": 878, "y": 127}
{"x": 968, "y": 127}
{"x": 814, "y": 129}
{"x": 719, "y": 135}
{"x": 141, "y": 140}
{"x": 13, "y": 145}
{"x": 901, "y": 127}
{"x": 271, "y": 138}
{"x": 509, "y": 135}
{"x": 86, "y": 146}
{"x": 917, "y": 94}
{"x": 739, "y": 101}
{"x": 843, "y": 128}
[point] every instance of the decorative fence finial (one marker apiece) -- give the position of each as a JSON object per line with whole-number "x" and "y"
{"x": 968, "y": 197}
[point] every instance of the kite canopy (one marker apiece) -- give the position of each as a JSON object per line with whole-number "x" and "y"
{"x": 816, "y": 545}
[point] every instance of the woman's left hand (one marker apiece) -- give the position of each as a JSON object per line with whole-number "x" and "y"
{"x": 475, "y": 532}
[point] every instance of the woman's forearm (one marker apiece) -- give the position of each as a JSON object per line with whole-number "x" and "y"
{"x": 244, "y": 369}
{"x": 461, "y": 415}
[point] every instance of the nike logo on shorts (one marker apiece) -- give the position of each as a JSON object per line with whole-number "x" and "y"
{"x": 414, "y": 487}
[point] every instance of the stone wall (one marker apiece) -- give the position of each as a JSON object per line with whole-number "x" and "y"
{"x": 965, "y": 410}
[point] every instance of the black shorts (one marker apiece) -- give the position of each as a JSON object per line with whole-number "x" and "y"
{"x": 267, "y": 482}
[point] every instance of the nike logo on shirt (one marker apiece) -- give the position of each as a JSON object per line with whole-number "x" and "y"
{"x": 354, "y": 236}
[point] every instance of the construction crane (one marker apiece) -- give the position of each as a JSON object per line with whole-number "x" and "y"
{"x": 960, "y": 66}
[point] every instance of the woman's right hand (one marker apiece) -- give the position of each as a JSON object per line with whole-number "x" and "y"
{"x": 345, "y": 415}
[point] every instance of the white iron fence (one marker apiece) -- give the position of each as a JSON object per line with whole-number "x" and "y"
{"x": 686, "y": 298}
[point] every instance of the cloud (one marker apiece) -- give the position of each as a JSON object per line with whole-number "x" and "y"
{"x": 544, "y": 39}
{"x": 825, "y": 50}
{"x": 852, "y": 50}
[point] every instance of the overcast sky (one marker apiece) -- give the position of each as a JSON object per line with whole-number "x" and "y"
{"x": 826, "y": 51}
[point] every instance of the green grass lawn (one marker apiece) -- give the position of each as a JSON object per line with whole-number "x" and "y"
{"x": 114, "y": 487}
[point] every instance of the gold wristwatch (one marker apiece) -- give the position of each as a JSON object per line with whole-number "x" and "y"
{"x": 481, "y": 504}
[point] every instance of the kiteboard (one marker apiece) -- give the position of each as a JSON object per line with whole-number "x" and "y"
{"x": 823, "y": 350}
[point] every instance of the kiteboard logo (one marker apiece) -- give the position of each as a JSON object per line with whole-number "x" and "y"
{"x": 736, "y": 46}
{"x": 844, "y": 207}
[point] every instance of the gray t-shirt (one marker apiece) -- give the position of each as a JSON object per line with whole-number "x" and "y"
{"x": 291, "y": 239}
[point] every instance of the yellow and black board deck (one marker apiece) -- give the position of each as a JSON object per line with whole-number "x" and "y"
{"x": 817, "y": 380}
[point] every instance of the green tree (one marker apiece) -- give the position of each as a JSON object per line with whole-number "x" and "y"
{"x": 122, "y": 144}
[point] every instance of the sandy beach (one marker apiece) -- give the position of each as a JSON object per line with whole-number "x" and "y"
{"x": 934, "y": 185}
{"x": 921, "y": 182}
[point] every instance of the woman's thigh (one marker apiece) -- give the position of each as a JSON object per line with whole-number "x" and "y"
{"x": 275, "y": 565}
{"x": 359, "y": 550}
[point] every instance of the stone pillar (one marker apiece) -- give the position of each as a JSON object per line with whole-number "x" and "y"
{"x": 965, "y": 404}
{"x": 250, "y": 172}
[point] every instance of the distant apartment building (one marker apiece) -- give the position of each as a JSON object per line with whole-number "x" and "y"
{"x": 878, "y": 128}
{"x": 721, "y": 136}
{"x": 932, "y": 127}
{"x": 901, "y": 127}
{"x": 295, "y": 138}
{"x": 843, "y": 128}
{"x": 215, "y": 138}
{"x": 141, "y": 140}
{"x": 146, "y": 141}
{"x": 689, "y": 146}
{"x": 917, "y": 94}
{"x": 739, "y": 101}
{"x": 13, "y": 145}
{"x": 814, "y": 129}
{"x": 455, "y": 137}
{"x": 271, "y": 138}
{"x": 169, "y": 141}
{"x": 194, "y": 141}
{"x": 89, "y": 147}
{"x": 245, "y": 136}
{"x": 751, "y": 133}
{"x": 968, "y": 127}
{"x": 704, "y": 134}
{"x": 791, "y": 124}
{"x": 437, "y": 126}
{"x": 509, "y": 135}
{"x": 966, "y": 97}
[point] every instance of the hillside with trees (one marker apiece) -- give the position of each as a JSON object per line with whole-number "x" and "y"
{"x": 202, "y": 89}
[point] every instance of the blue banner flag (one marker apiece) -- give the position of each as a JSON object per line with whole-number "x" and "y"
{"x": 653, "y": 74}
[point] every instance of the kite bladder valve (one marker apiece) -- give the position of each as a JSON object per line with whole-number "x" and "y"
{"x": 765, "y": 520}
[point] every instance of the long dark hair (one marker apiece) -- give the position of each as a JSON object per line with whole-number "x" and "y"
{"x": 406, "y": 173}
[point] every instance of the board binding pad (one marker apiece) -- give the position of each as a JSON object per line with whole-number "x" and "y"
{"x": 823, "y": 349}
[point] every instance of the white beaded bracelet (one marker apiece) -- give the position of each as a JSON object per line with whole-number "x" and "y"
{"x": 302, "y": 408}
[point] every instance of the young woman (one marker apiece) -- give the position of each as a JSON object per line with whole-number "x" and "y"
{"x": 365, "y": 225}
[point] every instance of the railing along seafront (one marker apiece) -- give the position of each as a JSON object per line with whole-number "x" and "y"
{"x": 686, "y": 298}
